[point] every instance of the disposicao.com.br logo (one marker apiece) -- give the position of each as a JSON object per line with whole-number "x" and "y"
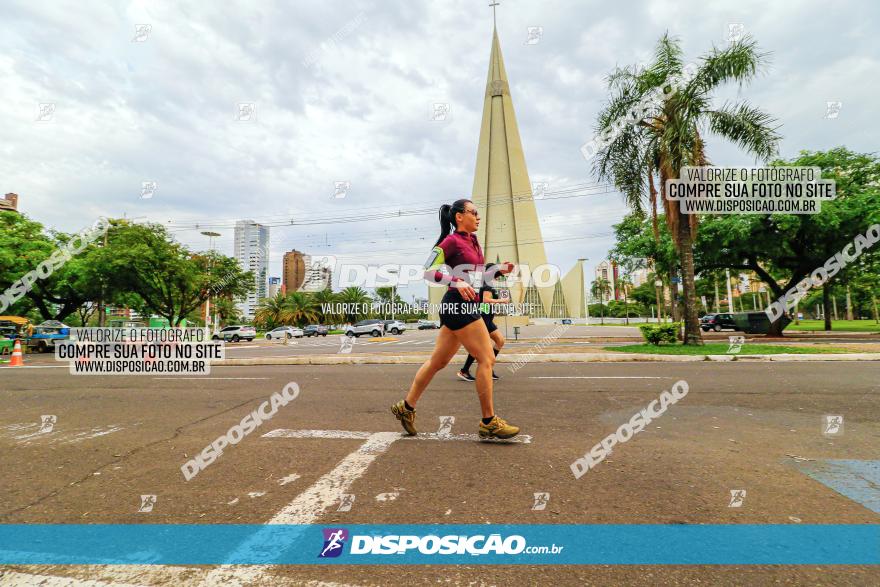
{"x": 476, "y": 545}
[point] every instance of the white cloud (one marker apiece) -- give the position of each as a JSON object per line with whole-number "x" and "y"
{"x": 162, "y": 109}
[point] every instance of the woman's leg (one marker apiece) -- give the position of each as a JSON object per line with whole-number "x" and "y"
{"x": 444, "y": 349}
{"x": 497, "y": 338}
{"x": 467, "y": 364}
{"x": 475, "y": 339}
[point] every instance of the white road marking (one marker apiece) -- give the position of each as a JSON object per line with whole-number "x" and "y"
{"x": 38, "y": 367}
{"x": 289, "y": 479}
{"x": 593, "y": 377}
{"x": 282, "y": 433}
{"x": 14, "y": 579}
{"x": 254, "y": 494}
{"x": 390, "y": 496}
{"x": 327, "y": 490}
{"x": 305, "y": 508}
{"x": 214, "y": 378}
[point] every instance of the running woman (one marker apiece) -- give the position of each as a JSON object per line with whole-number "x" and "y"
{"x": 489, "y": 297}
{"x": 460, "y": 319}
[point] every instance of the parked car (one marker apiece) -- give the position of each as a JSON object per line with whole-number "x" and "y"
{"x": 371, "y": 327}
{"x": 236, "y": 333}
{"x": 566, "y": 320}
{"x": 717, "y": 322}
{"x": 284, "y": 332}
{"x": 316, "y": 330}
{"x": 427, "y": 325}
{"x": 394, "y": 326}
{"x": 46, "y": 334}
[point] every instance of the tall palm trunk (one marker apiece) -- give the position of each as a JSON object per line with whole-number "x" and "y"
{"x": 692, "y": 333}
{"x": 826, "y": 304}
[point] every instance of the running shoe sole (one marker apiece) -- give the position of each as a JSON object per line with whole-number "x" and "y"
{"x": 407, "y": 418}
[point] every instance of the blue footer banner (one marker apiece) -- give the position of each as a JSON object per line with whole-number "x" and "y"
{"x": 453, "y": 544}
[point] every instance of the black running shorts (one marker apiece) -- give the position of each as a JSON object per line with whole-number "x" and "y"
{"x": 455, "y": 313}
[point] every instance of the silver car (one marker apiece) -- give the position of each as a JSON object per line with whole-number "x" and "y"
{"x": 394, "y": 326}
{"x": 371, "y": 327}
{"x": 237, "y": 333}
{"x": 284, "y": 332}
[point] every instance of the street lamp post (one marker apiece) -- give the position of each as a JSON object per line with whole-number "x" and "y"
{"x": 582, "y": 261}
{"x": 393, "y": 290}
{"x": 211, "y": 236}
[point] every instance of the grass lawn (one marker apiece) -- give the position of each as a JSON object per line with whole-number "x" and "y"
{"x": 715, "y": 348}
{"x": 837, "y": 325}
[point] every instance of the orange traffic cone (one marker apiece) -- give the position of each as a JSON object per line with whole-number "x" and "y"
{"x": 16, "y": 361}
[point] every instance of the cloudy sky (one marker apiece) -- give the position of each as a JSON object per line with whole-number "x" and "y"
{"x": 344, "y": 91}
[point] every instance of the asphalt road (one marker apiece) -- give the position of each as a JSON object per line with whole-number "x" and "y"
{"x": 574, "y": 339}
{"x": 744, "y": 426}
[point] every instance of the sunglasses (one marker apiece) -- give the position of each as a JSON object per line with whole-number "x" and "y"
{"x": 473, "y": 212}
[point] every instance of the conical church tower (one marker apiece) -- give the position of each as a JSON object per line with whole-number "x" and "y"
{"x": 502, "y": 192}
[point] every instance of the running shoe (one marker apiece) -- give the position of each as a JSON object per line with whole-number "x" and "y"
{"x": 407, "y": 417}
{"x": 498, "y": 428}
{"x": 494, "y": 376}
{"x": 465, "y": 376}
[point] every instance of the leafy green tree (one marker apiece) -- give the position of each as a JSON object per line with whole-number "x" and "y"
{"x": 783, "y": 249}
{"x": 666, "y": 135}
{"x": 168, "y": 279}
{"x": 24, "y": 244}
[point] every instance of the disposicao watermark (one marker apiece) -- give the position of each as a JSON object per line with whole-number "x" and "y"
{"x": 236, "y": 433}
{"x": 832, "y": 266}
{"x": 74, "y": 246}
{"x": 652, "y": 100}
{"x": 538, "y": 348}
{"x": 628, "y": 429}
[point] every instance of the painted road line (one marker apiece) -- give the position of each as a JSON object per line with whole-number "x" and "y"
{"x": 857, "y": 480}
{"x": 38, "y": 367}
{"x": 282, "y": 433}
{"x": 307, "y": 506}
{"x": 15, "y": 579}
{"x": 215, "y": 378}
{"x": 595, "y": 377}
{"x": 360, "y": 435}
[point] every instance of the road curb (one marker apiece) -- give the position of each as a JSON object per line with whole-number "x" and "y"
{"x": 365, "y": 359}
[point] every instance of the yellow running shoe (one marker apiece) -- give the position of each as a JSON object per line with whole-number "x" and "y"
{"x": 407, "y": 417}
{"x": 498, "y": 428}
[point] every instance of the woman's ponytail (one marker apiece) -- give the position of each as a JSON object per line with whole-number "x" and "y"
{"x": 447, "y": 218}
{"x": 445, "y": 223}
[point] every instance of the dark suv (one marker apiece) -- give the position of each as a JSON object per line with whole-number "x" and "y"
{"x": 315, "y": 330}
{"x": 717, "y": 322}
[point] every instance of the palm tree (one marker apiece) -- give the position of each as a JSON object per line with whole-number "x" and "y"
{"x": 324, "y": 300}
{"x": 599, "y": 288}
{"x": 667, "y": 135}
{"x": 272, "y": 312}
{"x": 301, "y": 308}
{"x": 354, "y": 295}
